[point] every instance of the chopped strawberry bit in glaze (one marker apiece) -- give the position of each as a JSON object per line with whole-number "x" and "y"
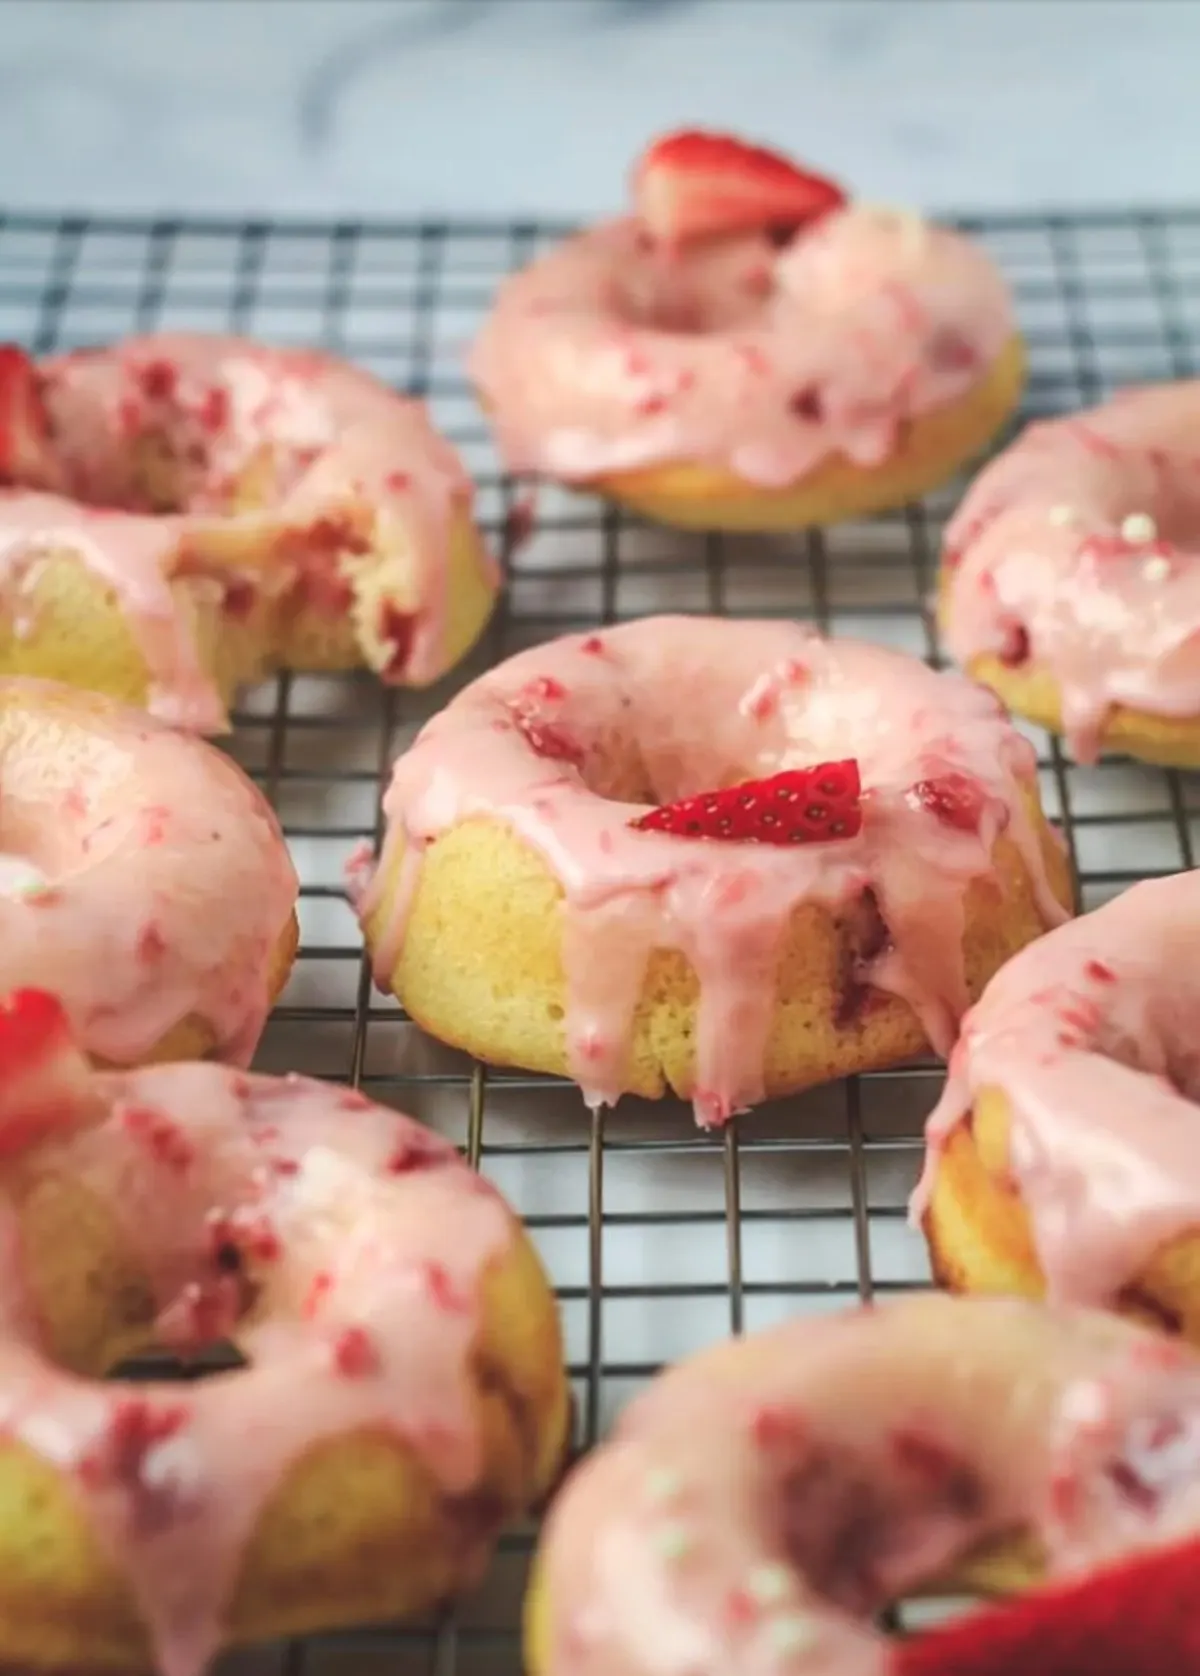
{"x": 151, "y": 945}
{"x": 779, "y": 1428}
{"x": 355, "y": 1354}
{"x": 440, "y": 1285}
{"x": 204, "y": 1313}
{"x": 158, "y": 380}
{"x": 396, "y": 482}
{"x": 954, "y": 799}
{"x": 807, "y": 404}
{"x": 593, "y": 646}
{"x": 213, "y": 413}
{"x": 319, "y": 1289}
{"x": 949, "y": 351}
{"x": 648, "y": 406}
{"x": 754, "y": 360}
{"x": 44, "y": 1078}
{"x": 798, "y": 806}
{"x": 137, "y": 1426}
{"x": 249, "y": 1233}
{"x": 163, "y": 1139}
{"x": 397, "y": 630}
{"x": 1015, "y": 650}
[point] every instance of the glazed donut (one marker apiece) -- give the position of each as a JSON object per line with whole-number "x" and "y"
{"x": 404, "y": 1396}
{"x": 747, "y": 351}
{"x": 1061, "y": 1157}
{"x": 530, "y": 907}
{"x": 190, "y": 513}
{"x": 759, "y": 1501}
{"x": 1069, "y": 583}
{"x": 143, "y": 878}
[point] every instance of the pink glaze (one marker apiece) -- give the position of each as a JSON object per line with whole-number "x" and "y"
{"x": 760, "y": 1500}
{"x": 363, "y": 1239}
{"x": 349, "y": 464}
{"x": 1090, "y": 1035}
{"x": 559, "y": 740}
{"x": 1076, "y": 550}
{"x": 610, "y": 354}
{"x": 142, "y": 876}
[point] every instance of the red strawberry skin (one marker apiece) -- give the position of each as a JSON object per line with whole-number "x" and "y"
{"x": 799, "y": 806}
{"x": 23, "y": 431}
{"x": 44, "y": 1077}
{"x": 695, "y": 185}
{"x": 1138, "y": 1618}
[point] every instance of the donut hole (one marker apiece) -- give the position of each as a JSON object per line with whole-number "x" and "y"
{"x": 147, "y": 436}
{"x": 720, "y": 286}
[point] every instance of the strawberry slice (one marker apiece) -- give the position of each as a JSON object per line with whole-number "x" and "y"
{"x": 45, "y": 1079}
{"x": 799, "y": 806}
{"x": 24, "y": 433}
{"x": 1137, "y": 1618}
{"x": 692, "y": 185}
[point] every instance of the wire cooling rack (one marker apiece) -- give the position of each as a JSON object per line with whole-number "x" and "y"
{"x": 659, "y": 1240}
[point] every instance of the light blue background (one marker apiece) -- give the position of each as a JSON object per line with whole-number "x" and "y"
{"x": 504, "y": 106}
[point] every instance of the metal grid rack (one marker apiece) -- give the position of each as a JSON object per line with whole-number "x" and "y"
{"x": 659, "y": 1239}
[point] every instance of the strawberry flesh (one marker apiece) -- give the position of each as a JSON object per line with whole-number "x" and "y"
{"x": 954, "y": 799}
{"x": 1139, "y": 1618}
{"x": 24, "y": 431}
{"x": 799, "y": 806}
{"x": 44, "y": 1077}
{"x": 694, "y": 185}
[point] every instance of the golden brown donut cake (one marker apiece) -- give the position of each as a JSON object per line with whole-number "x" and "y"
{"x": 403, "y": 1396}
{"x": 1062, "y": 1158}
{"x": 187, "y": 513}
{"x": 143, "y": 878}
{"x": 759, "y": 1502}
{"x": 747, "y": 350}
{"x": 1070, "y": 583}
{"x": 728, "y": 859}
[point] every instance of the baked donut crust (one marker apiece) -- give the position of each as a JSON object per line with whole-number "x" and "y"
{"x": 142, "y": 874}
{"x": 363, "y": 1520}
{"x": 474, "y": 921}
{"x": 323, "y": 526}
{"x": 765, "y": 1497}
{"x": 1029, "y": 1121}
{"x": 1069, "y": 584}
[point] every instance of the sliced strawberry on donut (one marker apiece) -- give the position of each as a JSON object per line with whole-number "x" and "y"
{"x": 44, "y": 1077}
{"x": 799, "y": 806}
{"x": 692, "y": 185}
{"x": 23, "y": 426}
{"x": 1139, "y": 1618}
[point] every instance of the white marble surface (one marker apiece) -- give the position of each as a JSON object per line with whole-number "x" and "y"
{"x": 510, "y": 106}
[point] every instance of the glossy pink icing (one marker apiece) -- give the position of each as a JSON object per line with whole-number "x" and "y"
{"x": 1075, "y": 550}
{"x": 1091, "y": 1037}
{"x": 675, "y": 705}
{"x": 143, "y": 877}
{"x": 351, "y": 464}
{"x": 759, "y": 1501}
{"x": 363, "y": 1239}
{"x": 609, "y": 354}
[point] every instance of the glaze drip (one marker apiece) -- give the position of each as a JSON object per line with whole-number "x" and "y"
{"x": 568, "y": 743}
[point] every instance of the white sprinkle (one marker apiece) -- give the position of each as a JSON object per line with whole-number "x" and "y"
{"x": 1062, "y": 516}
{"x": 1139, "y": 526}
{"x": 673, "y": 1542}
{"x": 792, "y": 1633}
{"x": 663, "y": 1485}
{"x": 1156, "y": 569}
{"x": 767, "y": 1585}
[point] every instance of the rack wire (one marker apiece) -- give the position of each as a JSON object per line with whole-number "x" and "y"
{"x": 658, "y": 1239}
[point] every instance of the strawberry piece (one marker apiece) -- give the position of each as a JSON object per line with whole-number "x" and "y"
{"x": 44, "y": 1077}
{"x": 24, "y": 431}
{"x": 799, "y": 806}
{"x": 1136, "y": 1618}
{"x": 692, "y": 185}
{"x": 954, "y": 799}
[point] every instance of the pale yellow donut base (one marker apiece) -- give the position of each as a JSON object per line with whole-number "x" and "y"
{"x": 357, "y": 1533}
{"x": 1173, "y": 742}
{"x": 934, "y": 446}
{"x": 482, "y": 968}
{"x": 78, "y": 631}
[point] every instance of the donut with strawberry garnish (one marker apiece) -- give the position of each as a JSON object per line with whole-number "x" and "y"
{"x": 403, "y": 1395}
{"x": 728, "y": 859}
{"x": 749, "y": 350}
{"x": 1062, "y": 1160}
{"x": 758, "y": 1503}
{"x": 185, "y": 513}
{"x": 1071, "y": 576}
